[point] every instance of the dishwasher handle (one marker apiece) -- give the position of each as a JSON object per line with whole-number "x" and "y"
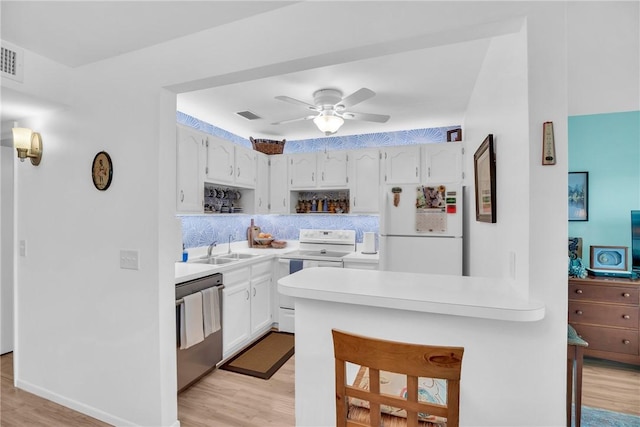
{"x": 181, "y": 300}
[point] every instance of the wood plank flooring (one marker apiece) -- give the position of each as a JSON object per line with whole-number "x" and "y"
{"x": 228, "y": 399}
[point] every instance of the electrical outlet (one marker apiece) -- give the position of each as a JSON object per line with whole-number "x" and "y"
{"x": 129, "y": 259}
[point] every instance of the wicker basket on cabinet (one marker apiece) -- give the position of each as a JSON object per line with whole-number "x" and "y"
{"x": 268, "y": 146}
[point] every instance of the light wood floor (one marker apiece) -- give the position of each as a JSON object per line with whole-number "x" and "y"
{"x": 227, "y": 399}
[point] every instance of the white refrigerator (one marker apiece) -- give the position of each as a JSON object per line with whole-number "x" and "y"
{"x": 421, "y": 228}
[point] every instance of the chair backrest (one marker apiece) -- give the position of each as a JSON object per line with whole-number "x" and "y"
{"x": 413, "y": 360}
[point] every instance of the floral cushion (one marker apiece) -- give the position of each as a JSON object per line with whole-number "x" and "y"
{"x": 432, "y": 390}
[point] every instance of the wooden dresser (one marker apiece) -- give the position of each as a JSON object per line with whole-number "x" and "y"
{"x": 605, "y": 313}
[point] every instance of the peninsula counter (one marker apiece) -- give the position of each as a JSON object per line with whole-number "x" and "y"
{"x": 498, "y": 328}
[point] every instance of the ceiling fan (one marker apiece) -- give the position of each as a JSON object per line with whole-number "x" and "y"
{"x": 331, "y": 109}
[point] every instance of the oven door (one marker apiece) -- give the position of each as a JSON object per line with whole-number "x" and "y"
{"x": 286, "y": 304}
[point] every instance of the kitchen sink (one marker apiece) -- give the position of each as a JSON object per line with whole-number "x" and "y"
{"x": 236, "y": 255}
{"x": 215, "y": 260}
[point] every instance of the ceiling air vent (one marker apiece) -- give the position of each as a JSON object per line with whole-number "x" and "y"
{"x": 248, "y": 115}
{"x": 11, "y": 62}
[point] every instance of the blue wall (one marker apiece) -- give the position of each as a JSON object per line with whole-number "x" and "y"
{"x": 202, "y": 230}
{"x": 608, "y": 147}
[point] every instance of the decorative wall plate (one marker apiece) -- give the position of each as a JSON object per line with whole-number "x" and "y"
{"x": 102, "y": 171}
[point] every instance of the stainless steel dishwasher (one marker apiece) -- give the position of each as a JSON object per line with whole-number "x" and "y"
{"x": 197, "y": 360}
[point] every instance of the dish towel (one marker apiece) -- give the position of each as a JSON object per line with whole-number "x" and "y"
{"x": 191, "y": 330}
{"x": 295, "y": 265}
{"x": 211, "y": 310}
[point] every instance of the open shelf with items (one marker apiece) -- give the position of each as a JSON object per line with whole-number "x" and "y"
{"x": 320, "y": 202}
{"x": 227, "y": 200}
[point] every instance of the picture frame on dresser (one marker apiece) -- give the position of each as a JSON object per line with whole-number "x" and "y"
{"x": 608, "y": 258}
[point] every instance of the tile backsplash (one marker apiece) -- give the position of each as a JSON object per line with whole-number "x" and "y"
{"x": 202, "y": 230}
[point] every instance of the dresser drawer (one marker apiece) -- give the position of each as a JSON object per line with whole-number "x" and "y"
{"x": 603, "y": 314}
{"x": 615, "y": 294}
{"x": 609, "y": 339}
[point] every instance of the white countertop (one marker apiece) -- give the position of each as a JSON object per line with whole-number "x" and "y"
{"x": 480, "y": 297}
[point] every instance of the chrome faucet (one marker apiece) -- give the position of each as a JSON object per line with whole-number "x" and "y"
{"x": 229, "y": 250}
{"x": 215, "y": 242}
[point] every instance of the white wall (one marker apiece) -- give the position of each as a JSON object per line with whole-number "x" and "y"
{"x": 6, "y": 249}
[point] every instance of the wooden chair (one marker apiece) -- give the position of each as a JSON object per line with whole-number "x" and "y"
{"x": 575, "y": 355}
{"x": 412, "y": 360}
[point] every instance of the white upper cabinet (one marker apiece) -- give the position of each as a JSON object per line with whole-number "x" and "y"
{"x": 278, "y": 184}
{"x": 229, "y": 163}
{"x": 364, "y": 173}
{"x": 443, "y": 163}
{"x": 262, "y": 184}
{"x": 219, "y": 168}
{"x": 401, "y": 165}
{"x": 332, "y": 169}
{"x": 318, "y": 170}
{"x": 189, "y": 170}
{"x": 302, "y": 170}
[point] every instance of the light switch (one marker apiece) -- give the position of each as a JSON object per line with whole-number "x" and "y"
{"x": 129, "y": 259}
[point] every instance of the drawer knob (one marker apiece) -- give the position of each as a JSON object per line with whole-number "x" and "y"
{"x": 625, "y": 316}
{"x": 578, "y": 291}
{"x": 626, "y": 295}
{"x": 579, "y": 312}
{"x": 625, "y": 341}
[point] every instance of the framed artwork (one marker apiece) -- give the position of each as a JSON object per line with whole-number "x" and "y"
{"x": 454, "y": 135}
{"x": 102, "y": 171}
{"x": 578, "y": 196}
{"x": 484, "y": 161}
{"x": 609, "y": 258}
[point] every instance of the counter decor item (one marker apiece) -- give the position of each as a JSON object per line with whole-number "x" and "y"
{"x": 609, "y": 257}
{"x": 279, "y": 244}
{"x": 102, "y": 171}
{"x": 268, "y": 146}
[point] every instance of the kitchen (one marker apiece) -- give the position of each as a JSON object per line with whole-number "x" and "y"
{"x": 120, "y": 299}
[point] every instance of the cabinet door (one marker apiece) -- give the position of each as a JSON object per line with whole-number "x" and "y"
{"x": 278, "y": 184}
{"x": 364, "y": 173}
{"x": 261, "y": 201}
{"x": 189, "y": 171}
{"x": 236, "y": 317}
{"x": 332, "y": 169}
{"x": 260, "y": 304}
{"x": 402, "y": 165}
{"x": 245, "y": 167}
{"x": 443, "y": 162}
{"x": 219, "y": 161}
{"x": 302, "y": 170}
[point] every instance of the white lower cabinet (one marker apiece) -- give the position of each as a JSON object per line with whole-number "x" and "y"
{"x": 246, "y": 305}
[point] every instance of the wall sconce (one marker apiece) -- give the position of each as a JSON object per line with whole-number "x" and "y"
{"x": 28, "y": 144}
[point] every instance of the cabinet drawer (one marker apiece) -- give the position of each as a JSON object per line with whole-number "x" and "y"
{"x": 603, "y": 314}
{"x": 609, "y": 339}
{"x": 233, "y": 277}
{"x": 615, "y": 294}
{"x": 261, "y": 269}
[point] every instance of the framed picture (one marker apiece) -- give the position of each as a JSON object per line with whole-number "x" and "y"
{"x": 484, "y": 161}
{"x": 454, "y": 135}
{"x": 609, "y": 258}
{"x": 578, "y": 196}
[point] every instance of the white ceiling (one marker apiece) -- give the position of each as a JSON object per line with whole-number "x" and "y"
{"x": 417, "y": 86}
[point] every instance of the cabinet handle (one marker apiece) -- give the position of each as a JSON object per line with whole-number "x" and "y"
{"x": 181, "y": 195}
{"x": 230, "y": 170}
{"x": 322, "y": 176}
{"x": 354, "y": 202}
{"x": 579, "y": 312}
{"x": 313, "y": 176}
{"x": 416, "y": 171}
{"x": 248, "y": 294}
{"x": 429, "y": 171}
{"x": 260, "y": 201}
{"x": 284, "y": 201}
{"x": 254, "y": 292}
{"x": 626, "y": 295}
{"x": 238, "y": 171}
{"x": 625, "y": 316}
{"x": 625, "y": 342}
{"x": 578, "y": 291}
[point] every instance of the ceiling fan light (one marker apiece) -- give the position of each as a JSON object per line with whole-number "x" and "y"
{"x": 328, "y": 124}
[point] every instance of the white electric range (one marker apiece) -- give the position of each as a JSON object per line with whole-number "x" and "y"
{"x": 318, "y": 248}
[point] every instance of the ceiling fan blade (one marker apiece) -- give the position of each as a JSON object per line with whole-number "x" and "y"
{"x": 297, "y": 102}
{"x": 299, "y": 119}
{"x": 368, "y": 117}
{"x": 357, "y": 97}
